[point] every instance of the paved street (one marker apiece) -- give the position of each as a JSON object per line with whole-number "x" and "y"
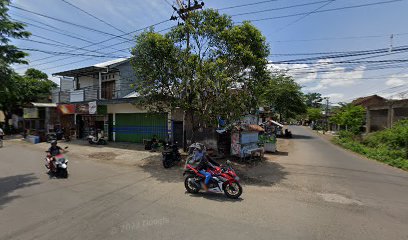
{"x": 311, "y": 190}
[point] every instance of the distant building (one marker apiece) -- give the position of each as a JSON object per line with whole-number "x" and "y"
{"x": 384, "y": 115}
{"x": 368, "y": 101}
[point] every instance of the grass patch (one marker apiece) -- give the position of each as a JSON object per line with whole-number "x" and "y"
{"x": 389, "y": 146}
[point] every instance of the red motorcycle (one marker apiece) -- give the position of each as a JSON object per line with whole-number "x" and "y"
{"x": 224, "y": 179}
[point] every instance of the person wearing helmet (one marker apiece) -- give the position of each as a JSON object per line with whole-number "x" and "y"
{"x": 204, "y": 164}
{"x": 53, "y": 151}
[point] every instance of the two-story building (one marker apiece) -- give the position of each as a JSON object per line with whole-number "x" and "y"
{"x": 101, "y": 97}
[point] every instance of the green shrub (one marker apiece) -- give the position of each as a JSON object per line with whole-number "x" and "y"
{"x": 389, "y": 146}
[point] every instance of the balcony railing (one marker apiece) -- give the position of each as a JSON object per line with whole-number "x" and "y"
{"x": 87, "y": 94}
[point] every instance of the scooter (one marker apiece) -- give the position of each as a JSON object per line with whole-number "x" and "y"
{"x": 98, "y": 138}
{"x": 60, "y": 165}
{"x": 171, "y": 155}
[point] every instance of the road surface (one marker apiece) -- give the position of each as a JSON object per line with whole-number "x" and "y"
{"x": 314, "y": 190}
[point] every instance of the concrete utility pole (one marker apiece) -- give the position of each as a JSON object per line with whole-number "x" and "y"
{"x": 327, "y": 113}
{"x": 183, "y": 13}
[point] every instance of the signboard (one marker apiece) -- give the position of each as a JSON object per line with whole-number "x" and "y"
{"x": 82, "y": 109}
{"x": 66, "y": 108}
{"x": 92, "y": 107}
{"x": 30, "y": 113}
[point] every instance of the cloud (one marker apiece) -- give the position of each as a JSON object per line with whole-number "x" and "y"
{"x": 323, "y": 74}
{"x": 397, "y": 80}
{"x": 335, "y": 97}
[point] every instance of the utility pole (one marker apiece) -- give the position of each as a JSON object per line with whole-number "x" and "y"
{"x": 183, "y": 13}
{"x": 327, "y": 113}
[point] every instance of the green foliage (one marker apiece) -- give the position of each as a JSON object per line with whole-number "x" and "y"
{"x": 351, "y": 116}
{"x": 267, "y": 139}
{"x": 389, "y": 146}
{"x": 313, "y": 100}
{"x": 218, "y": 74}
{"x": 9, "y": 54}
{"x": 32, "y": 87}
{"x": 283, "y": 95}
{"x": 314, "y": 114}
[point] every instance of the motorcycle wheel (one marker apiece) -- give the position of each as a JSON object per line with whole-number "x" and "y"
{"x": 167, "y": 163}
{"x": 233, "y": 190}
{"x": 102, "y": 142}
{"x": 190, "y": 187}
{"x": 64, "y": 173}
{"x": 90, "y": 141}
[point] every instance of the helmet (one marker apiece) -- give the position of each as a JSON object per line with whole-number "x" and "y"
{"x": 54, "y": 142}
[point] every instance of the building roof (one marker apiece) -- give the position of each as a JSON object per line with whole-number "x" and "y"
{"x": 363, "y": 100}
{"x": 43, "y": 104}
{"x": 89, "y": 70}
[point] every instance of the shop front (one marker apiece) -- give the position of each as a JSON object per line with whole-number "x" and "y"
{"x": 91, "y": 117}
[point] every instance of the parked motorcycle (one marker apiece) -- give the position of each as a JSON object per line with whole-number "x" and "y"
{"x": 59, "y": 134}
{"x": 224, "y": 180}
{"x": 171, "y": 155}
{"x": 60, "y": 164}
{"x": 98, "y": 138}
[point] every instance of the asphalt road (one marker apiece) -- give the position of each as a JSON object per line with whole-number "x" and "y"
{"x": 314, "y": 190}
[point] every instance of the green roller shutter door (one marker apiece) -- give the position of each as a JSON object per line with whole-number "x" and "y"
{"x": 134, "y": 127}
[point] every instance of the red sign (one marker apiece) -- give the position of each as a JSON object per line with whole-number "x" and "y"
{"x": 66, "y": 108}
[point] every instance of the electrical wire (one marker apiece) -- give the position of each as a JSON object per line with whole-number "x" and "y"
{"x": 304, "y": 16}
{"x": 322, "y": 11}
{"x": 93, "y": 16}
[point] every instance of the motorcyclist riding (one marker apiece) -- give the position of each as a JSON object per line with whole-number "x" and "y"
{"x": 51, "y": 153}
{"x": 204, "y": 164}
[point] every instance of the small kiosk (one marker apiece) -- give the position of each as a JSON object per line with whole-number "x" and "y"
{"x": 245, "y": 140}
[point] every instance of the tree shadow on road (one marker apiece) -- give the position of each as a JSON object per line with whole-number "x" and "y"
{"x": 12, "y": 183}
{"x": 154, "y": 166}
{"x": 296, "y": 136}
{"x": 257, "y": 173}
{"x": 263, "y": 173}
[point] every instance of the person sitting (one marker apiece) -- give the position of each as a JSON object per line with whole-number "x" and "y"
{"x": 53, "y": 151}
{"x": 205, "y": 163}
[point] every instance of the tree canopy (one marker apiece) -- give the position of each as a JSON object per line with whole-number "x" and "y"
{"x": 313, "y": 100}
{"x": 284, "y": 96}
{"x": 350, "y": 116}
{"x": 218, "y": 74}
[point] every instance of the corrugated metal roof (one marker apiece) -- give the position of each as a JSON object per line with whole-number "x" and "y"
{"x": 111, "y": 62}
{"x": 44, "y": 104}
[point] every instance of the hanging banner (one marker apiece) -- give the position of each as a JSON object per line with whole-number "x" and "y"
{"x": 82, "y": 109}
{"x": 30, "y": 113}
{"x": 66, "y": 108}
{"x": 92, "y": 107}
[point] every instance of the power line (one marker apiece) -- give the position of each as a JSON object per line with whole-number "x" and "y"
{"x": 340, "y": 38}
{"x": 106, "y": 40}
{"x": 245, "y": 5}
{"x": 93, "y": 16}
{"x": 326, "y": 10}
{"x": 83, "y": 60}
{"x": 69, "y": 54}
{"x": 57, "y": 30}
{"x": 304, "y": 16}
{"x": 279, "y": 8}
{"x": 70, "y": 23}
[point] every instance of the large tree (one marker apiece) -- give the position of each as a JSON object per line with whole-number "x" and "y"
{"x": 217, "y": 74}
{"x": 284, "y": 96}
{"x": 9, "y": 54}
{"x": 33, "y": 86}
{"x": 313, "y": 100}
